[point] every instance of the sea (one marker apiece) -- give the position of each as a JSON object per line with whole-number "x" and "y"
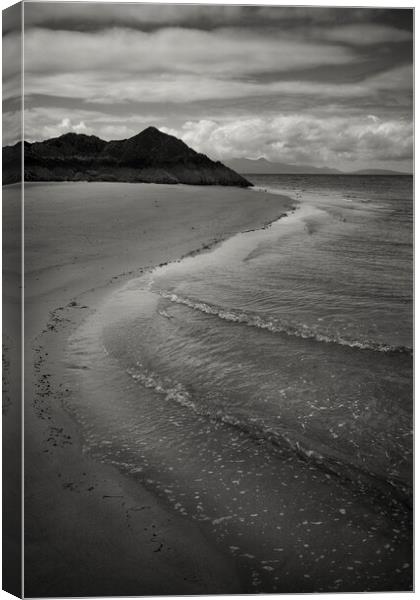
{"x": 264, "y": 389}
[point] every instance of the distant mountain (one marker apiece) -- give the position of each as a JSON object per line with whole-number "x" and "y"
{"x": 379, "y": 172}
{"x": 261, "y": 166}
{"x": 151, "y": 156}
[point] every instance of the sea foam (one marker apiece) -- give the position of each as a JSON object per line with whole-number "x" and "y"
{"x": 274, "y": 325}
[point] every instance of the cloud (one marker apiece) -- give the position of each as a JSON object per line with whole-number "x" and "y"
{"x": 301, "y": 139}
{"x": 113, "y": 87}
{"x": 222, "y": 52}
{"x": 11, "y": 127}
{"x": 12, "y": 65}
{"x": 105, "y": 131}
{"x": 42, "y": 123}
{"x": 184, "y": 65}
{"x": 206, "y": 71}
{"x": 366, "y": 34}
{"x": 290, "y": 138}
{"x": 400, "y": 78}
{"x": 86, "y": 16}
{"x": 64, "y": 126}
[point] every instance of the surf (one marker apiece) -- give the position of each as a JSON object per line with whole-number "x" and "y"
{"x": 299, "y": 330}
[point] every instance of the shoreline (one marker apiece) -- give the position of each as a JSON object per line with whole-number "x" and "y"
{"x": 362, "y": 516}
{"x": 85, "y": 504}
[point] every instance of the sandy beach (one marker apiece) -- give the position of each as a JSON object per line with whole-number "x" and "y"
{"x": 88, "y": 529}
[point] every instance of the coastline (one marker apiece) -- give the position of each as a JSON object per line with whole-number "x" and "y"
{"x": 100, "y": 533}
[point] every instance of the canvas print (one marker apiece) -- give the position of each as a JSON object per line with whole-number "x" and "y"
{"x": 207, "y": 297}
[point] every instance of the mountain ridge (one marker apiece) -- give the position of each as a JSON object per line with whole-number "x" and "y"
{"x": 262, "y": 166}
{"x": 150, "y": 156}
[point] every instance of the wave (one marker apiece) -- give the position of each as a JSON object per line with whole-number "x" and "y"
{"x": 299, "y": 330}
{"x": 288, "y": 442}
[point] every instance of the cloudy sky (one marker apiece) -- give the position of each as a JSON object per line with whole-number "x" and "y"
{"x": 320, "y": 86}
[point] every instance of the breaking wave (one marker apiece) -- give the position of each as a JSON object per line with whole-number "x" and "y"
{"x": 274, "y": 325}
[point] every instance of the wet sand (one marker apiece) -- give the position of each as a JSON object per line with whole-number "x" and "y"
{"x": 88, "y": 529}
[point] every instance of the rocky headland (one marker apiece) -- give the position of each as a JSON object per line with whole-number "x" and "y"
{"x": 149, "y": 157}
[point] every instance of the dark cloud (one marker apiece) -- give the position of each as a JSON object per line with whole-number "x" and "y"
{"x": 12, "y": 18}
{"x": 85, "y": 16}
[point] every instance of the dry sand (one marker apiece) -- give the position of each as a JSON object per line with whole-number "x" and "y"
{"x": 88, "y": 529}
{"x": 11, "y": 388}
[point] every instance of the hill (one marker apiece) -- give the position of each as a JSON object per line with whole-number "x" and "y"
{"x": 150, "y": 156}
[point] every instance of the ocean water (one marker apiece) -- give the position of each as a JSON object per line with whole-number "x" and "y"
{"x": 264, "y": 389}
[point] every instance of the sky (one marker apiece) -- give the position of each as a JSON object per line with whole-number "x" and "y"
{"x": 309, "y": 86}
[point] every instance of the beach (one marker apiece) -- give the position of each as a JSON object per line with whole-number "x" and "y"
{"x": 207, "y": 409}
{"x": 208, "y": 300}
{"x": 89, "y": 530}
